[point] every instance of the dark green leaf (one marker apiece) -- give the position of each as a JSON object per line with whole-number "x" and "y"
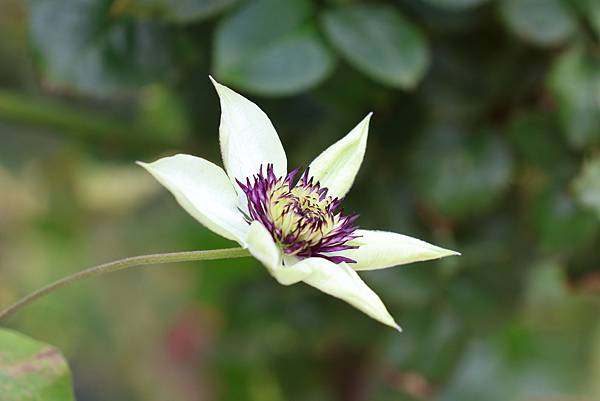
{"x": 81, "y": 45}
{"x": 537, "y": 139}
{"x": 593, "y": 14}
{"x": 541, "y": 22}
{"x": 461, "y": 176}
{"x": 181, "y": 11}
{"x": 587, "y": 185}
{"x": 380, "y": 42}
{"x": 32, "y": 371}
{"x": 589, "y": 10}
{"x": 561, "y": 225}
{"x": 543, "y": 354}
{"x": 456, "y": 4}
{"x": 271, "y": 47}
{"x": 518, "y": 364}
{"x": 575, "y": 83}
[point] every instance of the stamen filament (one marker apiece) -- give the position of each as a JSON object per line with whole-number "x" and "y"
{"x": 301, "y": 217}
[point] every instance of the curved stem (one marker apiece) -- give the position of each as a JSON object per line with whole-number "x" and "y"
{"x": 122, "y": 264}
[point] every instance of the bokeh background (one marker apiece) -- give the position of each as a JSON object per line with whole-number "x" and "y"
{"x": 485, "y": 139}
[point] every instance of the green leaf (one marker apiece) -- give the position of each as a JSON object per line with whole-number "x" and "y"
{"x": 561, "y": 225}
{"x": 81, "y": 45}
{"x": 180, "y": 11}
{"x": 271, "y": 47}
{"x": 543, "y": 353}
{"x": 541, "y": 22}
{"x": 593, "y": 14}
{"x": 575, "y": 83}
{"x": 380, "y": 42}
{"x": 587, "y": 185}
{"x": 537, "y": 140}
{"x": 589, "y": 10}
{"x": 456, "y": 4}
{"x": 461, "y": 176}
{"x": 31, "y": 370}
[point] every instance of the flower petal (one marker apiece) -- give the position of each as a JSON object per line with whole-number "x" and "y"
{"x": 204, "y": 191}
{"x": 337, "y": 280}
{"x": 381, "y": 249}
{"x": 337, "y": 166}
{"x": 340, "y": 281}
{"x": 262, "y": 247}
{"x": 248, "y": 138}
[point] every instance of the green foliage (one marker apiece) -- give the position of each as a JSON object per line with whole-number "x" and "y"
{"x": 271, "y": 47}
{"x": 587, "y": 185}
{"x": 575, "y": 81}
{"x": 561, "y": 225}
{"x": 485, "y": 138}
{"x": 380, "y": 42}
{"x": 483, "y": 163}
{"x": 31, "y": 370}
{"x": 80, "y": 44}
{"x": 178, "y": 11}
{"x": 456, "y": 4}
{"x": 541, "y": 22}
{"x": 536, "y": 139}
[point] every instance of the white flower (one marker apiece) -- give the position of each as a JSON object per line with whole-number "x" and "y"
{"x": 296, "y": 229}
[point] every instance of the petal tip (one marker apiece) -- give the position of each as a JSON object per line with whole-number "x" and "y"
{"x": 144, "y": 165}
{"x": 443, "y": 252}
{"x": 218, "y": 86}
{"x": 364, "y": 126}
{"x": 398, "y": 328}
{"x": 449, "y": 252}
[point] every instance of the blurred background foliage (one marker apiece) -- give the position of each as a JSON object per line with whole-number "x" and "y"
{"x": 485, "y": 139}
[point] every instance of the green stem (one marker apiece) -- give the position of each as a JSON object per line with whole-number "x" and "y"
{"x": 122, "y": 264}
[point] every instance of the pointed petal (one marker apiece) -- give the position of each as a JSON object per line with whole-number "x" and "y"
{"x": 340, "y": 281}
{"x": 262, "y": 247}
{"x": 337, "y": 166}
{"x": 204, "y": 191}
{"x": 248, "y": 138}
{"x": 337, "y": 280}
{"x": 381, "y": 249}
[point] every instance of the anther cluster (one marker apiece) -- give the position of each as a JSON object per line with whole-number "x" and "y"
{"x": 302, "y": 219}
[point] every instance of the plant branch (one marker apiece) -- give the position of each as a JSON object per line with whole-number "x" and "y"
{"x": 122, "y": 264}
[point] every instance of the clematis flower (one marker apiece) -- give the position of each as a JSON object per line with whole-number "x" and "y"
{"x": 292, "y": 222}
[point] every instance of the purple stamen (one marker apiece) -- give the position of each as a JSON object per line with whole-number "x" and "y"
{"x": 300, "y": 216}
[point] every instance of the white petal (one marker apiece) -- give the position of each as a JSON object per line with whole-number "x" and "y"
{"x": 204, "y": 191}
{"x": 262, "y": 247}
{"x": 337, "y": 280}
{"x": 381, "y": 249}
{"x": 342, "y": 282}
{"x": 337, "y": 166}
{"x": 248, "y": 138}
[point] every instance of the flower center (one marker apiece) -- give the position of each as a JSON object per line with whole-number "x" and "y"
{"x": 302, "y": 219}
